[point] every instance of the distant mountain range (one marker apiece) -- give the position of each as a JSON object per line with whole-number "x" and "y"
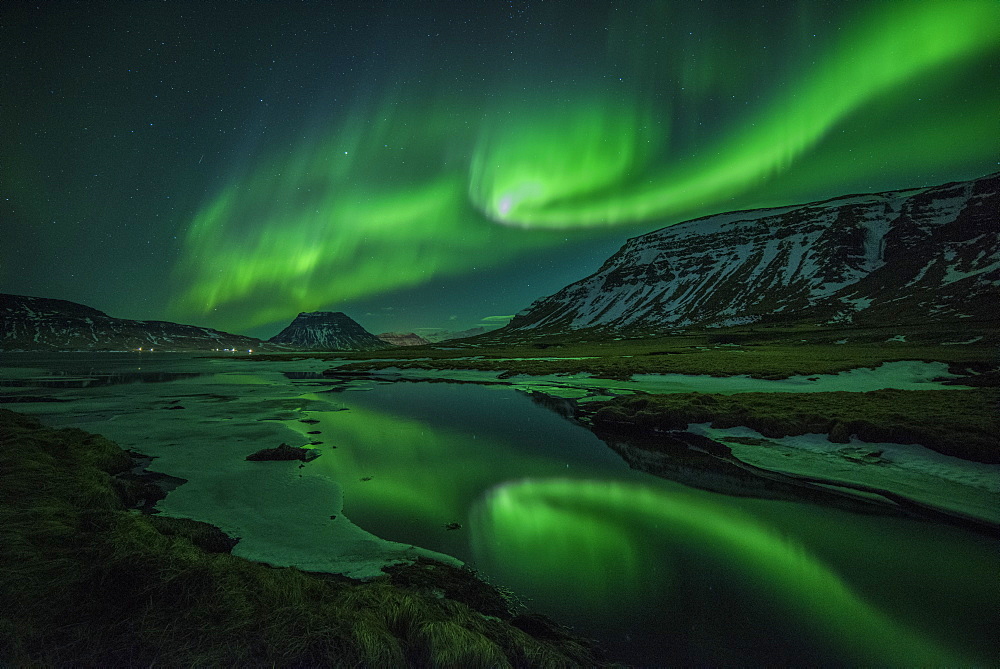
{"x": 907, "y": 256}
{"x": 402, "y": 338}
{"x": 328, "y": 331}
{"x": 42, "y": 324}
{"x": 903, "y": 257}
{"x": 435, "y": 336}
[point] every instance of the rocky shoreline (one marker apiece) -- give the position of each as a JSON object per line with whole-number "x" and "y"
{"x": 656, "y": 434}
{"x": 129, "y": 588}
{"x": 960, "y": 423}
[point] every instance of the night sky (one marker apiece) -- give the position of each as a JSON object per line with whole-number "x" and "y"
{"x": 443, "y": 164}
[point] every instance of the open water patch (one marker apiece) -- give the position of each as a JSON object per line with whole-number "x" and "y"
{"x": 660, "y": 572}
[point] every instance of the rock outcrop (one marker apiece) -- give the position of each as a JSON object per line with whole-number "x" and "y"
{"x": 284, "y": 452}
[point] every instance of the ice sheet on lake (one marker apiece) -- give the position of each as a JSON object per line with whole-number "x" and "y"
{"x": 911, "y": 470}
{"x": 902, "y": 375}
{"x": 281, "y": 511}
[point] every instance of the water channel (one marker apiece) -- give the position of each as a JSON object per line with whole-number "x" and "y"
{"x": 659, "y": 571}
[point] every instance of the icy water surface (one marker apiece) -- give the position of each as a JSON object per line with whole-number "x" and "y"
{"x": 660, "y": 572}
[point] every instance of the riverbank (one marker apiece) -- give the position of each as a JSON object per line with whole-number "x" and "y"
{"x": 762, "y": 353}
{"x": 959, "y": 423}
{"x": 88, "y": 580}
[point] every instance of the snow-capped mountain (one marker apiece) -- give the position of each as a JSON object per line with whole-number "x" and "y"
{"x": 905, "y": 256}
{"x": 42, "y": 324}
{"x": 402, "y": 338}
{"x": 327, "y": 331}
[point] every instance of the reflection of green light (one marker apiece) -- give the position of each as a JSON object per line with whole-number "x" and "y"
{"x": 560, "y": 550}
{"x": 556, "y": 532}
{"x": 430, "y": 472}
{"x": 415, "y": 467}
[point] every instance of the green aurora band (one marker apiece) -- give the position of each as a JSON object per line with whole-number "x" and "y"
{"x": 330, "y": 223}
{"x": 561, "y": 535}
{"x": 526, "y": 180}
{"x": 405, "y": 189}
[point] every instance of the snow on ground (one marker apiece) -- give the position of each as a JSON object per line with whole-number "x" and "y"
{"x": 282, "y": 512}
{"x": 911, "y": 470}
{"x": 903, "y": 375}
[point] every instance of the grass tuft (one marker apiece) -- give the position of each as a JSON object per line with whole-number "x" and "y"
{"x": 85, "y": 581}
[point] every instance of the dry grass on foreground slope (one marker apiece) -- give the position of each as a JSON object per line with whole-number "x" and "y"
{"x": 85, "y": 581}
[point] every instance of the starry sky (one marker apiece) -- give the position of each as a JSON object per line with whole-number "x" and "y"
{"x": 442, "y": 164}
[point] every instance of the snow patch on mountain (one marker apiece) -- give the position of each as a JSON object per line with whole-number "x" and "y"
{"x": 37, "y": 323}
{"x": 327, "y": 331}
{"x": 931, "y": 252}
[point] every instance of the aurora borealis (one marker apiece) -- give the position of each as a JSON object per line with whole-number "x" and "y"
{"x": 423, "y": 166}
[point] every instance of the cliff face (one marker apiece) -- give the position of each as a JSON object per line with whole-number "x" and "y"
{"x": 41, "y": 324}
{"x": 327, "y": 331}
{"x": 902, "y": 256}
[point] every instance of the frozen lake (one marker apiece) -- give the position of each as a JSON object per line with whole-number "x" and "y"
{"x": 660, "y": 571}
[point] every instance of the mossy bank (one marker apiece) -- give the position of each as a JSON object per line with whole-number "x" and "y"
{"x": 764, "y": 353}
{"x": 961, "y": 423}
{"x": 87, "y": 580}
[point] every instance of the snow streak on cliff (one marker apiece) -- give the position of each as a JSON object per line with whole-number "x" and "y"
{"x": 901, "y": 256}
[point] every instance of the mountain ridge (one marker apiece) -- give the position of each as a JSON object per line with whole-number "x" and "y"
{"x": 907, "y": 255}
{"x": 402, "y": 338}
{"x": 435, "y": 336}
{"x": 46, "y": 324}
